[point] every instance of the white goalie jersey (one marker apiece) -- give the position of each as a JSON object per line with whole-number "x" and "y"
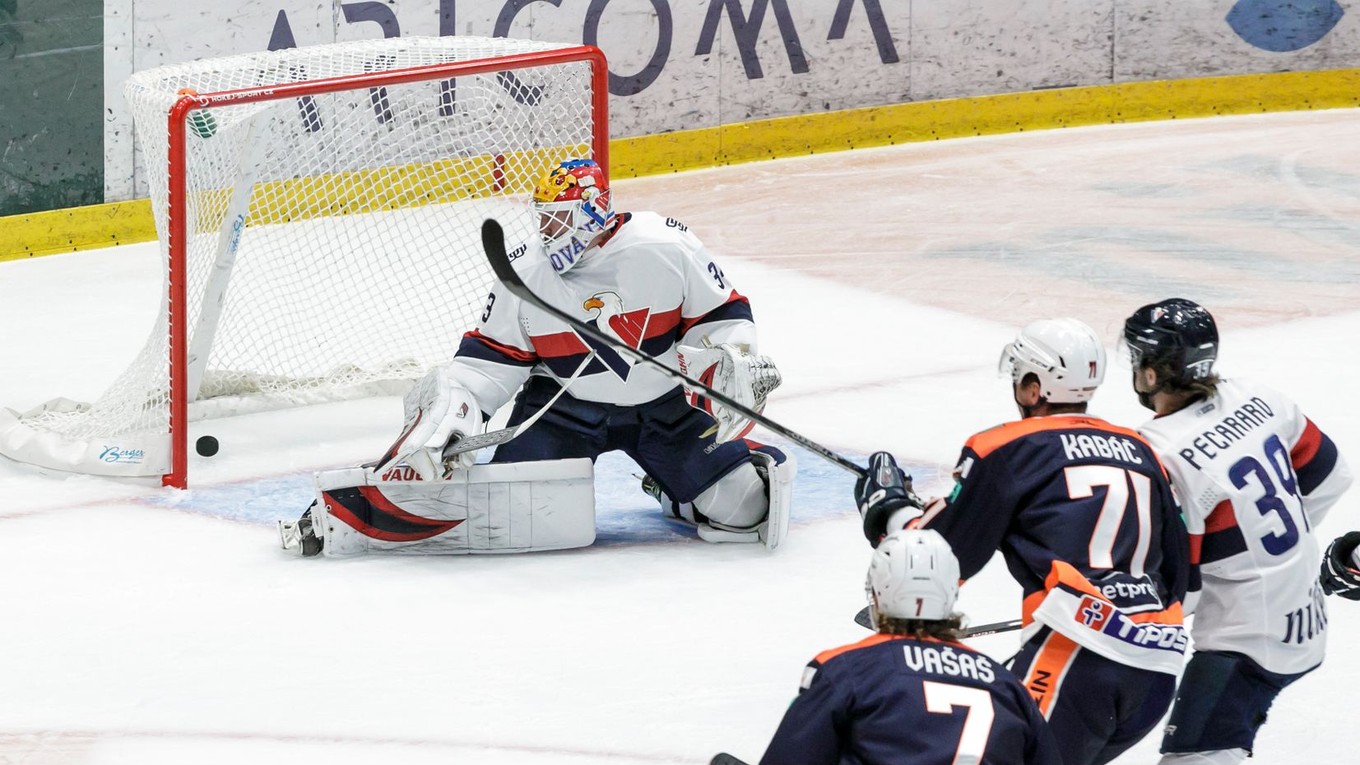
{"x": 652, "y": 285}
{"x": 1255, "y": 476}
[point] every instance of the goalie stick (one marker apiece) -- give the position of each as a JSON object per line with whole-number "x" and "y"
{"x": 498, "y": 437}
{"x": 493, "y": 241}
{"x": 494, "y": 437}
{"x": 862, "y": 619}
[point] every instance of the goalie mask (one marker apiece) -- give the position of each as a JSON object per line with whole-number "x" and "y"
{"x": 1065, "y": 354}
{"x": 913, "y": 575}
{"x": 572, "y": 202}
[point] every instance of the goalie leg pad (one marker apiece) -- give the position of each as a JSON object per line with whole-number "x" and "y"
{"x": 737, "y": 500}
{"x": 775, "y": 470}
{"x": 779, "y": 469}
{"x": 735, "y": 507}
{"x": 500, "y": 508}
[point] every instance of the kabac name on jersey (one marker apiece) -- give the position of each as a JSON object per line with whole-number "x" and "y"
{"x": 1086, "y": 447}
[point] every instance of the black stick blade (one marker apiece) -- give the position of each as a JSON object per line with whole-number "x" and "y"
{"x": 723, "y": 758}
{"x": 862, "y": 618}
{"x": 992, "y": 629}
{"x": 493, "y": 242}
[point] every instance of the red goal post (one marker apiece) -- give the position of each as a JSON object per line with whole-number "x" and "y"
{"x": 320, "y": 233}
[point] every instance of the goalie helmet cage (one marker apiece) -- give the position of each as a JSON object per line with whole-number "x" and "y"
{"x": 319, "y": 212}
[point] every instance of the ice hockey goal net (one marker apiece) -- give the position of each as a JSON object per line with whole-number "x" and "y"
{"x": 319, "y": 212}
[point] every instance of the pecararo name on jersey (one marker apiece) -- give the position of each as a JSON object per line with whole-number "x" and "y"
{"x": 1234, "y": 427}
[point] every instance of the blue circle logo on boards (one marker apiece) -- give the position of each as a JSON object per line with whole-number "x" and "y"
{"x": 1283, "y": 26}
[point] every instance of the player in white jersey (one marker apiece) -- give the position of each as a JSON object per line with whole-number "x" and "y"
{"x": 649, "y": 283}
{"x": 1254, "y": 477}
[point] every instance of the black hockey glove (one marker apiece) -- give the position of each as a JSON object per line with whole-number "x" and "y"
{"x": 882, "y": 491}
{"x": 1339, "y": 576}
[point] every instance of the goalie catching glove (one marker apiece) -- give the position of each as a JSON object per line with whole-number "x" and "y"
{"x": 439, "y": 411}
{"x": 1340, "y": 575}
{"x": 880, "y": 493}
{"x": 733, "y": 371}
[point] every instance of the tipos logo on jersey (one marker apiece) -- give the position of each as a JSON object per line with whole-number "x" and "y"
{"x": 1101, "y": 616}
{"x": 614, "y": 320}
{"x": 1094, "y": 613}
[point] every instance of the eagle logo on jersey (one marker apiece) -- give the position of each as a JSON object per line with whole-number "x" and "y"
{"x": 628, "y": 327}
{"x": 612, "y": 319}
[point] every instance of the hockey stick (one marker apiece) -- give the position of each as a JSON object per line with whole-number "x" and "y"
{"x": 224, "y": 262}
{"x": 498, "y": 437}
{"x": 723, "y": 758}
{"x": 493, "y": 241}
{"x": 491, "y": 438}
{"x": 862, "y": 619}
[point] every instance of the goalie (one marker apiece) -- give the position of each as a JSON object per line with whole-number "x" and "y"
{"x": 645, "y": 281}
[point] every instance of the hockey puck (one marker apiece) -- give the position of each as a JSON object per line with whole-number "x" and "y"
{"x": 206, "y": 446}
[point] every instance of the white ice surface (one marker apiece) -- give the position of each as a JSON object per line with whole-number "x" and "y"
{"x": 144, "y": 625}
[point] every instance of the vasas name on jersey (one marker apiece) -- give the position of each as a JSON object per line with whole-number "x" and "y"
{"x": 946, "y": 661}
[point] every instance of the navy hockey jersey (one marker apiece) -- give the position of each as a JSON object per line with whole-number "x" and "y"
{"x": 1085, "y": 517}
{"x": 904, "y": 701}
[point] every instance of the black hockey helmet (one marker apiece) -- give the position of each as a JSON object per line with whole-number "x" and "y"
{"x": 1176, "y": 332}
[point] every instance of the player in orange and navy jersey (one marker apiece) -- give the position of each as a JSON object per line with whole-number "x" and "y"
{"x": 1085, "y": 518}
{"x": 911, "y": 694}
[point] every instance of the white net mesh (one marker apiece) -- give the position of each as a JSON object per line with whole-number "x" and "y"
{"x": 358, "y": 263}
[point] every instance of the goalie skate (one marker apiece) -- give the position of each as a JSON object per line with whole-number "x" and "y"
{"x": 300, "y": 535}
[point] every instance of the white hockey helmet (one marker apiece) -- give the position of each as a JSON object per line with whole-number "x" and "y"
{"x": 913, "y": 575}
{"x": 1065, "y": 354}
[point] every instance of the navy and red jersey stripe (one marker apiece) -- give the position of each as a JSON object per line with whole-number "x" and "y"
{"x": 1314, "y": 457}
{"x": 475, "y": 345}
{"x": 736, "y": 308}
